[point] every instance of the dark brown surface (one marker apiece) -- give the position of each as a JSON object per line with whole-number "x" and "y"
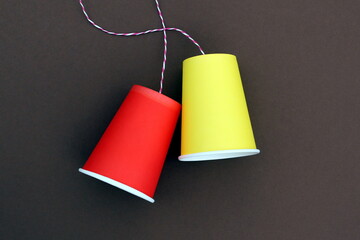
{"x": 61, "y": 81}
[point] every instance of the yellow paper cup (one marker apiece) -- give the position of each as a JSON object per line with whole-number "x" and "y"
{"x": 215, "y": 119}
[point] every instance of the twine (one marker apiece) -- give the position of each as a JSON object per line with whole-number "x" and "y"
{"x": 163, "y": 29}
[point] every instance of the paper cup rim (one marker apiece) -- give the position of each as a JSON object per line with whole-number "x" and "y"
{"x": 156, "y": 96}
{"x": 117, "y": 184}
{"x": 208, "y": 55}
{"x": 217, "y": 155}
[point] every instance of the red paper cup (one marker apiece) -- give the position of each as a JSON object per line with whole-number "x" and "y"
{"x": 131, "y": 153}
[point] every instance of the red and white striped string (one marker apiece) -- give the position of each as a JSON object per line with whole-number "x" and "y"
{"x": 165, "y": 46}
{"x": 163, "y": 29}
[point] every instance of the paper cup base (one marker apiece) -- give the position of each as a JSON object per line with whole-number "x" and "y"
{"x": 216, "y": 155}
{"x": 117, "y": 184}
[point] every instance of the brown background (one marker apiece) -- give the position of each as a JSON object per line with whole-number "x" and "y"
{"x": 62, "y": 81}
